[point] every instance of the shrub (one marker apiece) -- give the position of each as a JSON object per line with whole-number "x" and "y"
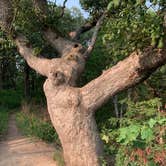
{"x": 3, "y": 122}
{"x": 10, "y": 99}
{"x": 31, "y": 125}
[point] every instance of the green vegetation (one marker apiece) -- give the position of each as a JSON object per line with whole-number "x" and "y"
{"x": 4, "y": 115}
{"x": 31, "y": 125}
{"x": 58, "y": 157}
{"x": 140, "y": 135}
{"x": 10, "y": 99}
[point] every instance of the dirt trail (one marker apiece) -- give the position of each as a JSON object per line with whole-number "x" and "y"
{"x": 17, "y": 150}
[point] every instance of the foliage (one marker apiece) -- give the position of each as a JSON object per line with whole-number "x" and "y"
{"x": 141, "y": 135}
{"x": 4, "y": 121}
{"x": 58, "y": 157}
{"x": 10, "y": 99}
{"x": 34, "y": 126}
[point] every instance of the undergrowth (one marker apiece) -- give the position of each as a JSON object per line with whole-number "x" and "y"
{"x": 4, "y": 115}
{"x": 31, "y": 125}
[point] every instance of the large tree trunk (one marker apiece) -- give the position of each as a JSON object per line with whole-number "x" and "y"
{"x": 75, "y": 126}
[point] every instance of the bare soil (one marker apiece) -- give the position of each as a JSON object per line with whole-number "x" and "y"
{"x": 18, "y": 150}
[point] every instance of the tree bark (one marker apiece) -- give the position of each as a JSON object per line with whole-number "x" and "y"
{"x": 75, "y": 126}
{"x": 127, "y": 73}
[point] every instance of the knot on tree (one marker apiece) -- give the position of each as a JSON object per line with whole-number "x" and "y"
{"x": 57, "y": 78}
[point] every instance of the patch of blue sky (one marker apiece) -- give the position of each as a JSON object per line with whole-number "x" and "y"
{"x": 73, "y": 3}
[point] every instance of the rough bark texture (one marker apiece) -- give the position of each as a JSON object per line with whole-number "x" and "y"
{"x": 75, "y": 126}
{"x": 127, "y": 73}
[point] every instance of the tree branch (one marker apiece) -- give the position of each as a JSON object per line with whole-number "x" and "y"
{"x": 62, "y": 45}
{"x": 41, "y": 65}
{"x": 75, "y": 35}
{"x": 94, "y": 36}
{"x": 127, "y": 73}
{"x": 63, "y": 9}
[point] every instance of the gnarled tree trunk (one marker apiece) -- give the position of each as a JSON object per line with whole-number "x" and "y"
{"x": 75, "y": 126}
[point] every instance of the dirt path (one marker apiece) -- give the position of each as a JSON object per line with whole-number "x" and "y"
{"x": 18, "y": 150}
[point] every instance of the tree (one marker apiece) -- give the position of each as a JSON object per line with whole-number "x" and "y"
{"x": 72, "y": 108}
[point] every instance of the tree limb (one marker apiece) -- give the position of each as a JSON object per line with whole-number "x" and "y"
{"x": 62, "y": 45}
{"x": 75, "y": 35}
{"x": 127, "y": 73}
{"x": 63, "y": 9}
{"x": 41, "y": 65}
{"x": 94, "y": 36}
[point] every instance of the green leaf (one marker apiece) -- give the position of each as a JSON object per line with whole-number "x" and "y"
{"x": 152, "y": 122}
{"x": 147, "y": 134}
{"x": 110, "y": 5}
{"x": 162, "y": 121}
{"x": 161, "y": 43}
{"x": 123, "y": 133}
{"x": 116, "y": 3}
{"x": 105, "y": 138}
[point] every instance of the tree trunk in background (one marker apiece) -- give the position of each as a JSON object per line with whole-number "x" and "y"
{"x": 26, "y": 81}
{"x": 115, "y": 101}
{"x": 1, "y": 83}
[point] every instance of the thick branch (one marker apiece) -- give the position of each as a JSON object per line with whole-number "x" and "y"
{"x": 62, "y": 45}
{"x": 127, "y": 73}
{"x": 41, "y": 65}
{"x": 58, "y": 42}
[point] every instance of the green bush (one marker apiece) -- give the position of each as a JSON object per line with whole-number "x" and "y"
{"x": 3, "y": 121}
{"x": 140, "y": 136}
{"x": 10, "y": 99}
{"x": 34, "y": 126}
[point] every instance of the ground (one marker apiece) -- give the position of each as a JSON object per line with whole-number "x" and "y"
{"x": 18, "y": 150}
